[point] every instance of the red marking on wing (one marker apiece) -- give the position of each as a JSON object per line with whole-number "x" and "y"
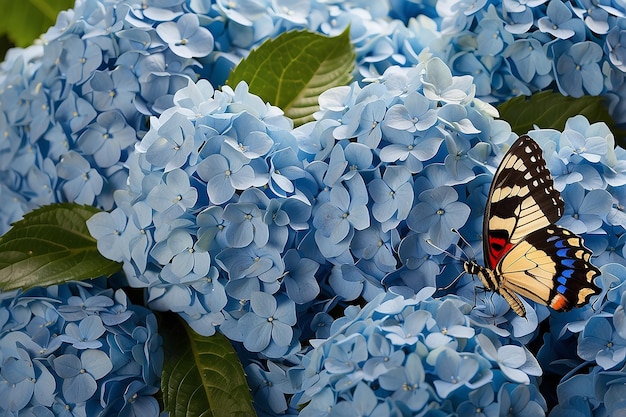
{"x": 498, "y": 247}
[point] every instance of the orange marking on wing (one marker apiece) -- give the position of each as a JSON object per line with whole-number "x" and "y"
{"x": 559, "y": 303}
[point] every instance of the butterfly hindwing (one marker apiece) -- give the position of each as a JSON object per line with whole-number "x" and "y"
{"x": 550, "y": 266}
{"x": 522, "y": 199}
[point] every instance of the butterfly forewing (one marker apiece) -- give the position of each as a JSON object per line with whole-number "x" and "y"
{"x": 522, "y": 199}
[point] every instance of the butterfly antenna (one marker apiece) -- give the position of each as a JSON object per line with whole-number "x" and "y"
{"x": 451, "y": 255}
{"x": 466, "y": 243}
{"x": 454, "y": 281}
{"x": 455, "y": 257}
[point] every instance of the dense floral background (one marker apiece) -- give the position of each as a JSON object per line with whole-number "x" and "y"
{"x": 306, "y": 245}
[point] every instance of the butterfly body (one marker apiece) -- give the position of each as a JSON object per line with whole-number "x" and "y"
{"x": 525, "y": 252}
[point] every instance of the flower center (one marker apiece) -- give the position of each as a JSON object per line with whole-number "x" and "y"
{"x": 409, "y": 387}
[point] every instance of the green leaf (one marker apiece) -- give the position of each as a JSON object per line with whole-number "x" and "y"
{"x": 24, "y": 21}
{"x": 548, "y": 109}
{"x": 202, "y": 376}
{"x": 292, "y": 70}
{"x": 51, "y": 245}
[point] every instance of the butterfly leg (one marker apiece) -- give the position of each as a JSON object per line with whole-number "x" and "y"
{"x": 514, "y": 301}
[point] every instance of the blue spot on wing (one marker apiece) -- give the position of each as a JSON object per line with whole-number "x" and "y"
{"x": 562, "y": 253}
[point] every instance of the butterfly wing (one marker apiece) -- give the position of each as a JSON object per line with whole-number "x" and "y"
{"x": 522, "y": 199}
{"x": 550, "y": 266}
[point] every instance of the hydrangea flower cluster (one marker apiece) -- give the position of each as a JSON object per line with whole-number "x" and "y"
{"x": 514, "y": 48}
{"x": 210, "y": 216}
{"x": 73, "y": 106}
{"x": 77, "y": 350}
{"x": 403, "y": 356}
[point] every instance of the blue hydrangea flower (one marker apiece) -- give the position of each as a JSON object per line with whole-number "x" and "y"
{"x": 560, "y": 22}
{"x": 440, "y": 85}
{"x": 392, "y": 195}
{"x": 336, "y": 220}
{"x": 300, "y": 283}
{"x": 80, "y": 374}
{"x": 185, "y": 37}
{"x": 515, "y": 362}
{"x": 437, "y": 213}
{"x": 106, "y": 138}
{"x": 62, "y": 349}
{"x": 227, "y": 172}
{"x": 492, "y": 37}
{"x": 82, "y": 182}
{"x": 114, "y": 90}
{"x": 577, "y": 68}
{"x": 596, "y": 18}
{"x": 267, "y": 326}
{"x": 529, "y": 60}
{"x": 600, "y": 342}
{"x": 614, "y": 45}
{"x": 79, "y": 59}
{"x": 480, "y": 402}
{"x": 584, "y": 211}
{"x": 520, "y": 401}
{"x": 268, "y": 386}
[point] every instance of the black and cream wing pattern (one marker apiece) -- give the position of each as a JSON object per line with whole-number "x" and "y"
{"x": 526, "y": 253}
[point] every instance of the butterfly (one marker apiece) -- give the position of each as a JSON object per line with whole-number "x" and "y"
{"x": 525, "y": 252}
